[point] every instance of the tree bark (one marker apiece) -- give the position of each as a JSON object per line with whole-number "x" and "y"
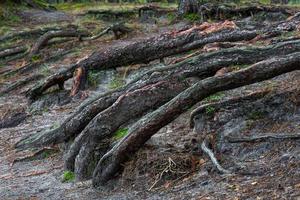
{"x": 202, "y": 66}
{"x": 42, "y": 41}
{"x": 162, "y": 46}
{"x": 12, "y": 51}
{"x": 143, "y": 52}
{"x": 111, "y": 162}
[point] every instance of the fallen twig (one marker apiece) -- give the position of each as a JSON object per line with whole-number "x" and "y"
{"x": 213, "y": 158}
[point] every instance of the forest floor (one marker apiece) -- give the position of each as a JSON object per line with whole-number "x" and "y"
{"x": 170, "y": 165}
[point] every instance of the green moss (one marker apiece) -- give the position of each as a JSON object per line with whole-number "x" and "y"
{"x": 192, "y": 17}
{"x": 45, "y": 154}
{"x": 215, "y": 97}
{"x": 68, "y": 176}
{"x": 120, "y": 133}
{"x": 117, "y": 82}
{"x": 210, "y": 110}
{"x": 171, "y": 16}
{"x": 92, "y": 79}
{"x": 35, "y": 58}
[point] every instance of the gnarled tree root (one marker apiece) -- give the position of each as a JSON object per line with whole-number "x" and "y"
{"x": 144, "y": 51}
{"x": 42, "y": 41}
{"x": 201, "y": 66}
{"x": 111, "y": 162}
{"x": 162, "y": 46}
{"x": 12, "y": 51}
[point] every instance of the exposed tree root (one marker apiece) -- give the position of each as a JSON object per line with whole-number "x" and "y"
{"x": 35, "y": 65}
{"x": 32, "y": 33}
{"x": 145, "y": 51}
{"x": 13, "y": 120}
{"x": 212, "y": 157}
{"x": 162, "y": 46}
{"x": 35, "y": 154}
{"x": 12, "y": 51}
{"x": 264, "y": 138}
{"x": 111, "y": 162}
{"x": 201, "y": 66}
{"x": 227, "y": 11}
{"x": 42, "y": 41}
{"x": 219, "y": 105}
{"x": 129, "y": 106}
{"x": 15, "y": 57}
{"x": 118, "y": 29}
{"x": 21, "y": 83}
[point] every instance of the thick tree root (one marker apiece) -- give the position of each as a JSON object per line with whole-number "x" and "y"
{"x": 162, "y": 46}
{"x": 20, "y": 83}
{"x": 145, "y": 51}
{"x": 219, "y": 105}
{"x": 118, "y": 29}
{"x": 128, "y": 106}
{"x": 111, "y": 162}
{"x": 201, "y": 66}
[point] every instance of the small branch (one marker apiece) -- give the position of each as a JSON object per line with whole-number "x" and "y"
{"x": 264, "y": 138}
{"x": 21, "y": 82}
{"x": 118, "y": 29}
{"x": 12, "y": 51}
{"x": 213, "y": 158}
{"x": 43, "y": 40}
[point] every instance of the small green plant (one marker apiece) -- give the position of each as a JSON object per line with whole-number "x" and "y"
{"x": 45, "y": 154}
{"x": 92, "y": 79}
{"x": 210, "y": 110}
{"x": 171, "y": 17}
{"x": 68, "y": 176}
{"x": 238, "y": 67}
{"x": 215, "y": 97}
{"x": 120, "y": 133}
{"x": 255, "y": 115}
{"x": 117, "y": 82}
{"x": 192, "y": 17}
{"x": 35, "y": 58}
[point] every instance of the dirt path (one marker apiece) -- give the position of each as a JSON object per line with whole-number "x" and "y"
{"x": 41, "y": 17}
